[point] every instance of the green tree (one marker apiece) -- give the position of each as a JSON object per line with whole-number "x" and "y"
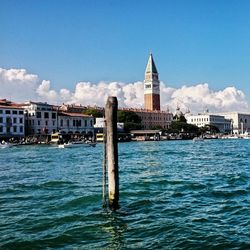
{"x": 130, "y": 119}
{"x": 180, "y": 118}
{"x": 95, "y": 112}
{"x": 209, "y": 128}
{"x": 178, "y": 126}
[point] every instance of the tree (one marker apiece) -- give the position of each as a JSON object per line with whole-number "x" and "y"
{"x": 209, "y": 128}
{"x": 130, "y": 119}
{"x": 178, "y": 126}
{"x": 94, "y": 112}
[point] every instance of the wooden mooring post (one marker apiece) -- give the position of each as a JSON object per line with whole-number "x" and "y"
{"x": 112, "y": 152}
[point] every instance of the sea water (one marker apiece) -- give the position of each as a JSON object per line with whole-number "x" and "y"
{"x": 173, "y": 195}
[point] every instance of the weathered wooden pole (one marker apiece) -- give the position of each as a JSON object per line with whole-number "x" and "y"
{"x": 112, "y": 152}
{"x": 104, "y": 169}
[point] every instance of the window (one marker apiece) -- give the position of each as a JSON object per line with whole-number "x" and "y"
{"x": 14, "y": 120}
{"x": 7, "y": 112}
{"x": 61, "y": 123}
{"x": 46, "y": 115}
{"x": 20, "y": 120}
{"x": 245, "y": 120}
{"x": 79, "y": 123}
{"x": 91, "y": 123}
{"x": 53, "y": 123}
{"x": 1, "y": 111}
{"x": 21, "y": 129}
{"x": 68, "y": 123}
{"x": 53, "y": 115}
{"x": 1, "y": 129}
{"x": 14, "y": 112}
{"x": 14, "y": 129}
{"x": 1, "y": 119}
{"x": 85, "y": 123}
{"x": 46, "y": 123}
{"x": 38, "y": 114}
{"x": 38, "y": 123}
{"x": 20, "y": 112}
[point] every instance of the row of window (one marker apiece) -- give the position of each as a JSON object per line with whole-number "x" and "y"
{"x": 241, "y": 120}
{"x": 14, "y": 120}
{"x": 13, "y": 112}
{"x": 76, "y": 123}
{"x": 156, "y": 118}
{"x": 45, "y": 114}
{"x": 38, "y": 108}
{"x": 14, "y": 129}
{"x": 32, "y": 122}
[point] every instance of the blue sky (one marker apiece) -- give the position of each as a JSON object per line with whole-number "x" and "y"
{"x": 89, "y": 40}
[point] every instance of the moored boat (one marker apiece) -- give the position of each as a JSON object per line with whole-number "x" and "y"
{"x": 5, "y": 145}
{"x": 196, "y": 139}
{"x": 74, "y": 144}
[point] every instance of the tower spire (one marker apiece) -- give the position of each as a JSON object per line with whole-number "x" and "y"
{"x": 151, "y": 86}
{"x": 151, "y": 68}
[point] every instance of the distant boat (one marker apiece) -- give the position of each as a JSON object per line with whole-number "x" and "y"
{"x": 232, "y": 137}
{"x": 55, "y": 138}
{"x": 5, "y": 145}
{"x": 196, "y": 139}
{"x": 246, "y": 135}
{"x": 74, "y": 144}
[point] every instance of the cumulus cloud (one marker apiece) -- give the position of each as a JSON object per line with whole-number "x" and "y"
{"x": 200, "y": 97}
{"x": 45, "y": 92}
{"x": 22, "y": 86}
{"x": 17, "y": 84}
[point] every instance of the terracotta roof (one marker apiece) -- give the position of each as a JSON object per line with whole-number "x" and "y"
{"x": 73, "y": 114}
{"x": 10, "y": 106}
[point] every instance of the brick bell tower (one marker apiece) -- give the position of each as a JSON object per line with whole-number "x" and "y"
{"x": 151, "y": 86}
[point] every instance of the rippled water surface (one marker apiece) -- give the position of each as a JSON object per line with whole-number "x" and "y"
{"x": 173, "y": 195}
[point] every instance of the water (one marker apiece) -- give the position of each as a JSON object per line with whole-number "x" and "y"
{"x": 173, "y": 195}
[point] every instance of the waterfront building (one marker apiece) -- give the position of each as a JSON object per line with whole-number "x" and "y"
{"x": 40, "y": 118}
{"x": 11, "y": 120}
{"x": 72, "y": 108}
{"x": 154, "y": 119}
{"x": 99, "y": 125}
{"x": 240, "y": 121}
{"x": 75, "y": 123}
{"x": 75, "y": 108}
{"x": 201, "y": 120}
{"x": 151, "y": 86}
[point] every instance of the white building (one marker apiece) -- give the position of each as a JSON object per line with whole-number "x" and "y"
{"x": 11, "y": 120}
{"x": 240, "y": 121}
{"x": 99, "y": 124}
{"x": 201, "y": 120}
{"x": 75, "y": 123}
{"x": 40, "y": 118}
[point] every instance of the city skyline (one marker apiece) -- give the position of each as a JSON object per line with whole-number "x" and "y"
{"x": 61, "y": 51}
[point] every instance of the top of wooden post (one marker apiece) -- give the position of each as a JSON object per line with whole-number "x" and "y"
{"x": 112, "y": 100}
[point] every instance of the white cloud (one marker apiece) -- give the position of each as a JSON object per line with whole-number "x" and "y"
{"x": 45, "y": 92}
{"x": 22, "y": 86}
{"x": 17, "y": 84}
{"x": 200, "y": 97}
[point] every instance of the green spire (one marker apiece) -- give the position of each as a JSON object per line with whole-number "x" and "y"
{"x": 151, "y": 68}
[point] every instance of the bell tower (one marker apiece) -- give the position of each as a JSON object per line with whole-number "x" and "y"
{"x": 151, "y": 86}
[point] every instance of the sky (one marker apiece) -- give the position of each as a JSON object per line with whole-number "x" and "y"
{"x": 81, "y": 51}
